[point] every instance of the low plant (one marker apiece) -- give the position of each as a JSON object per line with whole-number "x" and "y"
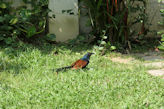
{"x": 161, "y": 47}
{"x": 8, "y": 30}
{"x": 104, "y": 46}
{"x": 117, "y": 17}
{"x": 23, "y": 23}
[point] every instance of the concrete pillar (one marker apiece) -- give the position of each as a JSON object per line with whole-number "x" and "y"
{"x": 65, "y": 25}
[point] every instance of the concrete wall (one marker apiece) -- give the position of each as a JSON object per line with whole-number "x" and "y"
{"x": 65, "y": 25}
{"x": 84, "y": 25}
{"x": 17, "y": 3}
{"x": 153, "y": 10}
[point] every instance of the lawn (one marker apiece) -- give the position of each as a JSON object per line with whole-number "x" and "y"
{"x": 27, "y": 80}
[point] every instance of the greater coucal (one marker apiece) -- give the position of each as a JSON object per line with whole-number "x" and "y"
{"x": 79, "y": 64}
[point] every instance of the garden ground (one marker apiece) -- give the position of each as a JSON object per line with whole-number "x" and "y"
{"x": 27, "y": 79}
{"x": 153, "y": 60}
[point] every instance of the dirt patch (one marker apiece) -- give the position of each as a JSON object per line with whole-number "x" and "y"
{"x": 155, "y": 64}
{"x": 152, "y": 59}
{"x": 159, "y": 72}
{"x": 122, "y": 60}
{"x": 151, "y": 56}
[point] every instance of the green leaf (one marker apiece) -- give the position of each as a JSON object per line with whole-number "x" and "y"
{"x": 159, "y": 1}
{"x": 101, "y": 48}
{"x": 13, "y": 21}
{"x": 31, "y": 31}
{"x": 81, "y": 38}
{"x": 99, "y": 41}
{"x": 41, "y": 23}
{"x": 160, "y": 32}
{"x": 96, "y": 47}
{"x": 162, "y": 10}
{"x": 105, "y": 37}
{"x": 1, "y": 37}
{"x": 112, "y": 48}
{"x": 25, "y": 14}
{"x": 162, "y": 35}
{"x": 99, "y": 4}
{"x": 2, "y": 19}
{"x": 162, "y": 39}
{"x": 51, "y": 37}
{"x": 3, "y": 5}
{"x": 6, "y": 27}
{"x": 161, "y": 47}
{"x": 103, "y": 31}
{"x": 9, "y": 40}
{"x": 103, "y": 42}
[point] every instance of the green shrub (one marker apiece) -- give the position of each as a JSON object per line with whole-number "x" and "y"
{"x": 22, "y": 23}
{"x": 161, "y": 47}
{"x": 116, "y": 18}
{"x": 8, "y": 22}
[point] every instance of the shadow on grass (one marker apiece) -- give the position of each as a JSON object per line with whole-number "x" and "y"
{"x": 46, "y": 48}
{"x": 16, "y": 67}
{"x": 11, "y": 67}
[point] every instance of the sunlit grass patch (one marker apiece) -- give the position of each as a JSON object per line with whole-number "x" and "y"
{"x": 27, "y": 80}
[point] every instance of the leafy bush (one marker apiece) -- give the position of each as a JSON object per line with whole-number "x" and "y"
{"x": 162, "y": 31}
{"x": 22, "y": 23}
{"x": 8, "y": 30}
{"x": 116, "y": 17}
{"x": 35, "y": 16}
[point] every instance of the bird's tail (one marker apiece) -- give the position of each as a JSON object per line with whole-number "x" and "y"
{"x": 63, "y": 68}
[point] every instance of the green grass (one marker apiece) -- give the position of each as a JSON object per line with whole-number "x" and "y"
{"x": 28, "y": 81}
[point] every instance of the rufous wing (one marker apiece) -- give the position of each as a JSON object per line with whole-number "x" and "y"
{"x": 79, "y": 64}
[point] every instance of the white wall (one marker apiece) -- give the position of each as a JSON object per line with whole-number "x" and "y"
{"x": 64, "y": 26}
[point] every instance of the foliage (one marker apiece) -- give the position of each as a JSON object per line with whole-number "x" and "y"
{"x": 27, "y": 81}
{"x": 104, "y": 46}
{"x": 50, "y": 37}
{"x": 24, "y": 22}
{"x": 8, "y": 21}
{"x": 162, "y": 31}
{"x": 117, "y": 17}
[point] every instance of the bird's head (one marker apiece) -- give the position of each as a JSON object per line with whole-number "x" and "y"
{"x": 87, "y": 56}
